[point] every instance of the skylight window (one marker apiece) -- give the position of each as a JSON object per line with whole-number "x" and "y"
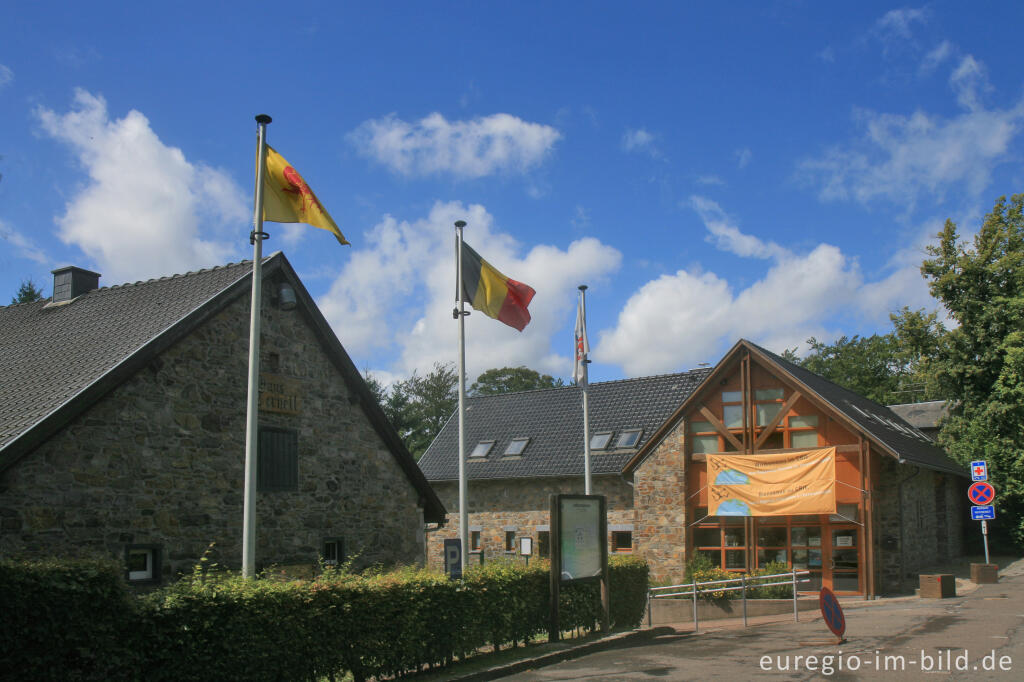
{"x": 517, "y": 446}
{"x": 628, "y": 438}
{"x": 482, "y": 448}
{"x": 599, "y": 441}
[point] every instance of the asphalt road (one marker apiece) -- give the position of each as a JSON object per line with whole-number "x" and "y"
{"x": 976, "y": 636}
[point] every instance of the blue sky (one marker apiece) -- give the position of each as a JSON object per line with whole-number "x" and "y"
{"x": 764, "y": 170}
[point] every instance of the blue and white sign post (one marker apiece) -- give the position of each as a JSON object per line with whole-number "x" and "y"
{"x": 982, "y": 496}
{"x": 453, "y": 558}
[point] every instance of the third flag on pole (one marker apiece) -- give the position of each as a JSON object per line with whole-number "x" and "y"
{"x": 579, "y": 370}
{"x": 288, "y": 199}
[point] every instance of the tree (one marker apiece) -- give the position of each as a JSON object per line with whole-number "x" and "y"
{"x": 981, "y": 362}
{"x": 27, "y": 292}
{"x": 510, "y": 380}
{"x": 419, "y": 406}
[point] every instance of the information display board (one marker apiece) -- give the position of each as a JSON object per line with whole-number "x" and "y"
{"x": 580, "y": 537}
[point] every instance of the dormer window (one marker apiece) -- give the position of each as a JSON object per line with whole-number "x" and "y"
{"x": 517, "y": 446}
{"x": 628, "y": 438}
{"x": 599, "y": 441}
{"x": 482, "y": 448}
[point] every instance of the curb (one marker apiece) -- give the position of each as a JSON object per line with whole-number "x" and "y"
{"x": 564, "y": 655}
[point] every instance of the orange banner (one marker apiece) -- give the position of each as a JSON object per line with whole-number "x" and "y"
{"x": 772, "y": 485}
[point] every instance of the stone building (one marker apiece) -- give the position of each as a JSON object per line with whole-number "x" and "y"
{"x": 900, "y": 501}
{"x": 122, "y": 429}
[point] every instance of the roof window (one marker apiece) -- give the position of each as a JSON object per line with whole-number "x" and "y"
{"x": 599, "y": 441}
{"x": 628, "y": 438}
{"x": 482, "y": 448}
{"x": 517, "y": 446}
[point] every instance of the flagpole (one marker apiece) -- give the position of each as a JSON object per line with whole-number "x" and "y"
{"x": 586, "y": 406}
{"x": 252, "y": 406}
{"x": 460, "y": 313}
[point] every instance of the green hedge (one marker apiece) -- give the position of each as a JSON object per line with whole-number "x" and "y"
{"x": 77, "y": 621}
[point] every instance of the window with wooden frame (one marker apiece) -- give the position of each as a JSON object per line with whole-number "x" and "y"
{"x": 722, "y": 539}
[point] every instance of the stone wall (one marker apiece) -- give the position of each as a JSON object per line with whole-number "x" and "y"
{"x": 918, "y": 522}
{"x": 521, "y": 504}
{"x": 660, "y": 495}
{"x": 160, "y": 460}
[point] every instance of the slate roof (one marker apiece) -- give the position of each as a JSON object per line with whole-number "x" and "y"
{"x": 924, "y": 416}
{"x": 881, "y": 424}
{"x": 553, "y": 420}
{"x": 58, "y": 359}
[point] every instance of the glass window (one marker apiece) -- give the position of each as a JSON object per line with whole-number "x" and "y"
{"x": 766, "y": 556}
{"x": 701, "y": 427}
{"x": 803, "y": 422}
{"x": 732, "y": 416}
{"x": 806, "y": 536}
{"x": 707, "y": 537}
{"x": 803, "y": 439}
{"x": 510, "y": 541}
{"x": 333, "y": 553}
{"x": 705, "y": 443}
{"x": 628, "y": 439}
{"x": 767, "y": 412}
{"x": 482, "y": 448}
{"x": 732, "y": 396}
{"x": 599, "y": 441}
{"x": 622, "y": 541}
{"x": 544, "y": 543}
{"x": 768, "y": 394}
{"x": 771, "y": 536}
{"x": 474, "y": 541}
{"x": 517, "y": 446}
{"x": 713, "y": 555}
{"x": 143, "y": 563}
{"x": 735, "y": 558}
{"x": 773, "y": 442}
{"x": 734, "y": 537}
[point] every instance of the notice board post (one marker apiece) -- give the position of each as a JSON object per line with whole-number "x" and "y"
{"x": 579, "y": 550}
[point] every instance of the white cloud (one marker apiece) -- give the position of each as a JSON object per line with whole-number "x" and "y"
{"x": 967, "y": 80}
{"x": 727, "y": 237}
{"x": 678, "y": 320}
{"x": 499, "y": 143}
{"x": 640, "y": 140}
{"x": 710, "y": 180}
{"x": 22, "y": 245}
{"x": 937, "y": 56}
{"x": 743, "y": 157}
{"x": 398, "y": 292}
{"x": 896, "y": 24}
{"x": 827, "y": 55}
{"x": 6, "y": 75}
{"x": 145, "y": 211}
{"x": 901, "y": 157}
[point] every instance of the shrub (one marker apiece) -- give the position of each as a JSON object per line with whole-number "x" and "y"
{"x": 76, "y": 621}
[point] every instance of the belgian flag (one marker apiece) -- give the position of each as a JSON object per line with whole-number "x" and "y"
{"x": 492, "y": 293}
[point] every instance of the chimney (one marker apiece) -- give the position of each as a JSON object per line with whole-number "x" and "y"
{"x": 69, "y": 282}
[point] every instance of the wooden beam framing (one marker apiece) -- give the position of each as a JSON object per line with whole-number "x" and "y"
{"x": 770, "y": 428}
{"x": 720, "y": 427}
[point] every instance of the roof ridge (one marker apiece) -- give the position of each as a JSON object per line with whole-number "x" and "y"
{"x": 596, "y": 383}
{"x": 178, "y": 275}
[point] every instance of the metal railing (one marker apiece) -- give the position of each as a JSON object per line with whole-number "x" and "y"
{"x": 743, "y": 583}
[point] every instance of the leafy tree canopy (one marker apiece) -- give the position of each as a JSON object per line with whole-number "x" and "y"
{"x": 419, "y": 406}
{"x": 27, "y": 292}
{"x": 511, "y": 379}
{"x": 981, "y": 362}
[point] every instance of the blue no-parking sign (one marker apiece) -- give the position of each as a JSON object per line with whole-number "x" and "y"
{"x": 832, "y": 612}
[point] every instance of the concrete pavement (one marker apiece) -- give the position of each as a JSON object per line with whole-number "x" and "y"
{"x": 975, "y": 636}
